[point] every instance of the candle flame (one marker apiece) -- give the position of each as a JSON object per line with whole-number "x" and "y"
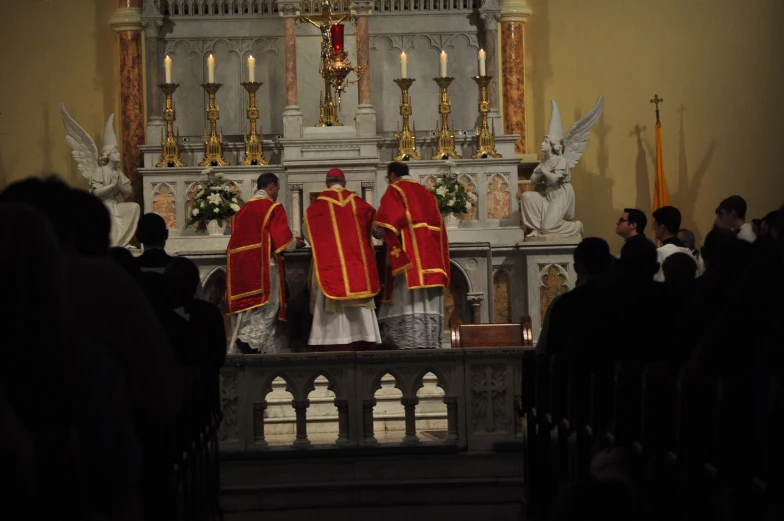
{"x": 167, "y": 56}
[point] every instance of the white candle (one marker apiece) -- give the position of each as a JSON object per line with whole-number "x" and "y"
{"x": 211, "y": 69}
{"x": 403, "y": 65}
{"x": 482, "y": 59}
{"x": 251, "y": 69}
{"x": 442, "y": 59}
{"x": 167, "y": 64}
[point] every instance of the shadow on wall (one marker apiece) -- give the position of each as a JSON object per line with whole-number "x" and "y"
{"x": 593, "y": 191}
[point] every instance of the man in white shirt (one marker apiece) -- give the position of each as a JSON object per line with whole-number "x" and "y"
{"x": 731, "y": 213}
{"x": 666, "y": 223}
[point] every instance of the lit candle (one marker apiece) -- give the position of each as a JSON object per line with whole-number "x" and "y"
{"x": 442, "y": 59}
{"x": 403, "y": 65}
{"x": 482, "y": 59}
{"x": 167, "y": 64}
{"x": 251, "y": 69}
{"x": 211, "y": 69}
{"x": 336, "y": 35}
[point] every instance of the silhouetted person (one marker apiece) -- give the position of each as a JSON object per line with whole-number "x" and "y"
{"x": 731, "y": 213}
{"x": 666, "y": 223}
{"x": 631, "y": 224}
{"x": 153, "y": 234}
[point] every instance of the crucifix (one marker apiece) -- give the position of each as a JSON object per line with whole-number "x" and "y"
{"x": 490, "y": 387}
{"x": 334, "y": 66}
{"x": 656, "y": 100}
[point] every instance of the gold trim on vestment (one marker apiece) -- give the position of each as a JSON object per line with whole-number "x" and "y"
{"x": 243, "y": 248}
{"x": 413, "y": 235}
{"x": 387, "y": 226}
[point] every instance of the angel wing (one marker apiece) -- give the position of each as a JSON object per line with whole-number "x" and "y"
{"x": 576, "y": 140}
{"x": 82, "y": 145}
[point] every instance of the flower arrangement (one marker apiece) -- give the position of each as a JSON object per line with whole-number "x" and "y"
{"x": 452, "y": 196}
{"x": 214, "y": 201}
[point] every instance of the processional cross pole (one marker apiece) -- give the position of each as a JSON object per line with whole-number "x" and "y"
{"x": 656, "y": 100}
{"x": 334, "y": 66}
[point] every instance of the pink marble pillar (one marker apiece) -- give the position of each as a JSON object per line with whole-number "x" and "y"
{"x": 290, "y": 41}
{"x": 126, "y": 21}
{"x": 363, "y": 50}
{"x": 513, "y": 15}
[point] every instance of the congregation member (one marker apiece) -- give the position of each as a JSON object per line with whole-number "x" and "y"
{"x": 152, "y": 233}
{"x": 344, "y": 275}
{"x": 417, "y": 270}
{"x": 731, "y": 213}
{"x": 666, "y": 223}
{"x": 631, "y": 225}
{"x": 254, "y": 268}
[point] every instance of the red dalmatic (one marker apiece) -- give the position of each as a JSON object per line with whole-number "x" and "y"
{"x": 415, "y": 237}
{"x": 259, "y": 230}
{"x": 340, "y": 227}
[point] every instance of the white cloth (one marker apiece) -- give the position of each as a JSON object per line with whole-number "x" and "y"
{"x": 665, "y": 251}
{"x": 746, "y": 233}
{"x": 413, "y": 319}
{"x": 350, "y": 324}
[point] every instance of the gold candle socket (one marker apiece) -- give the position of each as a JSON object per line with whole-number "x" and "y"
{"x": 406, "y": 140}
{"x": 170, "y": 145}
{"x": 213, "y": 146}
{"x": 446, "y": 137}
{"x": 485, "y": 137}
{"x": 254, "y": 150}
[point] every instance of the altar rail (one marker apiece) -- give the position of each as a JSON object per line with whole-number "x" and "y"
{"x": 203, "y": 8}
{"x": 482, "y": 392}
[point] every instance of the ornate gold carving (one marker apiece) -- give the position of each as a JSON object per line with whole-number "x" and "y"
{"x": 552, "y": 282}
{"x": 170, "y": 145}
{"x": 254, "y": 150}
{"x": 446, "y": 137}
{"x": 213, "y": 146}
{"x": 485, "y": 137}
{"x": 406, "y": 140}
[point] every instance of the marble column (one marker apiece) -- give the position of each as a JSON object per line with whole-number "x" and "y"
{"x": 289, "y": 10}
{"x": 366, "y": 115}
{"x": 296, "y": 209}
{"x": 512, "y": 19}
{"x": 490, "y": 14}
{"x": 127, "y": 22}
{"x": 475, "y": 301}
{"x": 152, "y": 20}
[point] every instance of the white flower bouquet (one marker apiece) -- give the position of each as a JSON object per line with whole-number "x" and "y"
{"x": 214, "y": 201}
{"x": 452, "y": 196}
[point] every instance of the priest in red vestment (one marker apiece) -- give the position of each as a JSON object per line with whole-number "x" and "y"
{"x": 417, "y": 263}
{"x": 254, "y": 269}
{"x": 344, "y": 278}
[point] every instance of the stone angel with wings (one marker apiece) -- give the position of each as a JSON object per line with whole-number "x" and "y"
{"x": 548, "y": 212}
{"x": 105, "y": 179}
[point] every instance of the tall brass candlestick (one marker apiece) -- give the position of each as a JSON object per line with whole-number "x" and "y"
{"x": 485, "y": 137}
{"x": 446, "y": 138}
{"x": 406, "y": 140}
{"x": 213, "y": 146}
{"x": 254, "y": 150}
{"x": 170, "y": 146}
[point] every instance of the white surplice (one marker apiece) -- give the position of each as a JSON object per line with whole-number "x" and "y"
{"x": 413, "y": 319}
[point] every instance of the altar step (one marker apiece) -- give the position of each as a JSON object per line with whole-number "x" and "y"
{"x": 322, "y": 415}
{"x": 422, "y": 484}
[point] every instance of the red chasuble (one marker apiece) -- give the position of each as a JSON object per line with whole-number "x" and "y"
{"x": 415, "y": 237}
{"x": 259, "y": 230}
{"x": 340, "y": 226}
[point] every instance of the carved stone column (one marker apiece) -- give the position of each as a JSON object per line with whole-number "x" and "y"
{"x": 127, "y": 22}
{"x": 258, "y": 424}
{"x": 490, "y": 14}
{"x": 152, "y": 20}
{"x": 367, "y": 420}
{"x": 289, "y": 10}
{"x": 301, "y": 408}
{"x": 451, "y": 418}
{"x": 296, "y": 209}
{"x": 409, "y": 405}
{"x": 367, "y": 189}
{"x": 513, "y": 16}
{"x": 475, "y": 301}
{"x": 366, "y": 115}
{"x": 343, "y": 420}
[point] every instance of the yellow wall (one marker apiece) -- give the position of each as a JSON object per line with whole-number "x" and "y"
{"x": 716, "y": 64}
{"x": 54, "y": 52}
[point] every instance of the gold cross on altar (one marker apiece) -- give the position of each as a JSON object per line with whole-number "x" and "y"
{"x": 326, "y": 19}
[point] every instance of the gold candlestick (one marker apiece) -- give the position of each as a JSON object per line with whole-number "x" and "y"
{"x": 485, "y": 137}
{"x": 406, "y": 141}
{"x": 446, "y": 138}
{"x": 170, "y": 146}
{"x": 254, "y": 150}
{"x": 213, "y": 146}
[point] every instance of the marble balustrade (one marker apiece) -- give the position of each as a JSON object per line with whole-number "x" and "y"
{"x": 481, "y": 391}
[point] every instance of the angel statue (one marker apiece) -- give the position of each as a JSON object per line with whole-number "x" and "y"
{"x": 548, "y": 212}
{"x": 106, "y": 181}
